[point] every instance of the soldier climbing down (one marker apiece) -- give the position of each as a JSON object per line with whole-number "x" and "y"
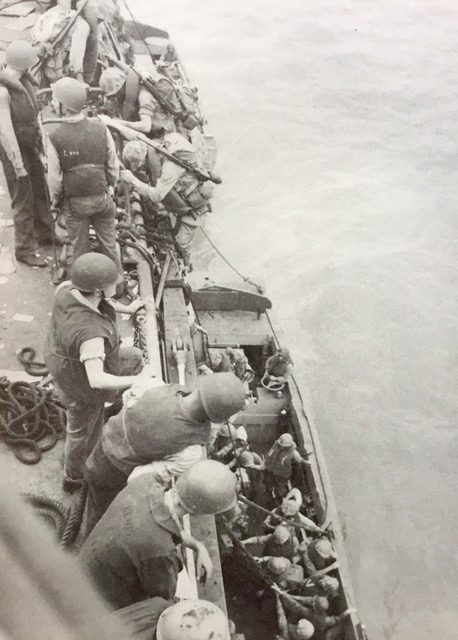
{"x": 182, "y": 194}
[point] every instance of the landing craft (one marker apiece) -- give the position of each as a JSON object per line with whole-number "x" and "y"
{"x": 191, "y": 323}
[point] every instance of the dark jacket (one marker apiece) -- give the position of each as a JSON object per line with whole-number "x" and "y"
{"x": 131, "y": 554}
{"x": 73, "y": 323}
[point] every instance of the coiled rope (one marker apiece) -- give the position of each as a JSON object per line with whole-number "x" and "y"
{"x": 66, "y": 520}
{"x": 31, "y": 419}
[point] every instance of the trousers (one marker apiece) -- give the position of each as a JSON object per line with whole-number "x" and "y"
{"x": 79, "y": 220}
{"x": 85, "y": 419}
{"x": 33, "y": 222}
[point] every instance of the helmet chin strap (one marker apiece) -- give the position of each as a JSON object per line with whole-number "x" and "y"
{"x": 169, "y": 501}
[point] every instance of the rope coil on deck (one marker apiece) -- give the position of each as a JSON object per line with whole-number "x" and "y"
{"x": 66, "y": 520}
{"x": 31, "y": 420}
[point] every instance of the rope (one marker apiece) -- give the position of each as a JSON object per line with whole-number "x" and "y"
{"x": 26, "y": 357}
{"x": 66, "y": 521}
{"x": 73, "y": 524}
{"x": 31, "y": 420}
{"x": 229, "y": 264}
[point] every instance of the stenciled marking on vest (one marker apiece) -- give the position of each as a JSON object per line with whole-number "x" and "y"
{"x": 68, "y": 153}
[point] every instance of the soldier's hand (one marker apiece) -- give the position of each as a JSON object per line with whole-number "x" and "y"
{"x": 204, "y": 565}
{"x": 21, "y": 173}
{"x": 126, "y": 175}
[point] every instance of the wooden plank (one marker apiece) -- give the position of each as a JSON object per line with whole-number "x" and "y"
{"x": 202, "y": 527}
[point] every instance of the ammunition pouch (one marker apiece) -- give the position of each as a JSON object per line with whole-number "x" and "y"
{"x": 189, "y": 121}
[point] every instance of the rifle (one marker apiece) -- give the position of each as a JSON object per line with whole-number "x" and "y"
{"x": 58, "y": 38}
{"x": 130, "y": 134}
{"x": 150, "y": 85}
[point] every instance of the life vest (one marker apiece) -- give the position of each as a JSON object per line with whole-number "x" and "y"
{"x": 83, "y": 152}
{"x": 24, "y": 109}
{"x": 274, "y": 548}
{"x": 279, "y": 461}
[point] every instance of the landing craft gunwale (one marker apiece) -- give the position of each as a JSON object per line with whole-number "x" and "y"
{"x": 306, "y": 431}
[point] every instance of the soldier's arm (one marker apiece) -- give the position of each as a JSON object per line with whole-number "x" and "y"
{"x": 54, "y": 178}
{"x": 281, "y": 616}
{"x": 256, "y": 539}
{"x": 147, "y": 107}
{"x": 309, "y": 525}
{"x": 224, "y": 451}
{"x": 308, "y": 564}
{"x": 170, "y": 175}
{"x": 7, "y": 136}
{"x": 80, "y": 34}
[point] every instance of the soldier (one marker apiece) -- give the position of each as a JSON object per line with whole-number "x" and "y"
{"x": 280, "y": 543}
{"x": 289, "y": 512}
{"x": 325, "y": 627}
{"x": 127, "y": 99}
{"x": 76, "y": 54}
{"x": 131, "y": 554}
{"x": 83, "y": 168}
{"x": 182, "y": 194}
{"x": 164, "y": 421}
{"x": 21, "y": 153}
{"x": 318, "y": 556}
{"x": 85, "y": 357}
{"x": 279, "y": 465}
{"x": 233, "y": 448}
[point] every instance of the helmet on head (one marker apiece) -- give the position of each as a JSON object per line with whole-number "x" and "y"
{"x": 290, "y": 507}
{"x": 278, "y": 565}
{"x": 241, "y": 434}
{"x": 246, "y": 459}
{"x": 305, "y": 629}
{"x": 111, "y": 81}
{"x": 222, "y": 395}
{"x": 70, "y": 93}
{"x": 93, "y": 271}
{"x": 320, "y": 604}
{"x": 20, "y": 55}
{"x": 134, "y": 153}
{"x": 208, "y": 487}
{"x": 285, "y": 440}
{"x": 281, "y": 534}
{"x": 323, "y": 548}
{"x": 329, "y": 585}
{"x": 193, "y": 619}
